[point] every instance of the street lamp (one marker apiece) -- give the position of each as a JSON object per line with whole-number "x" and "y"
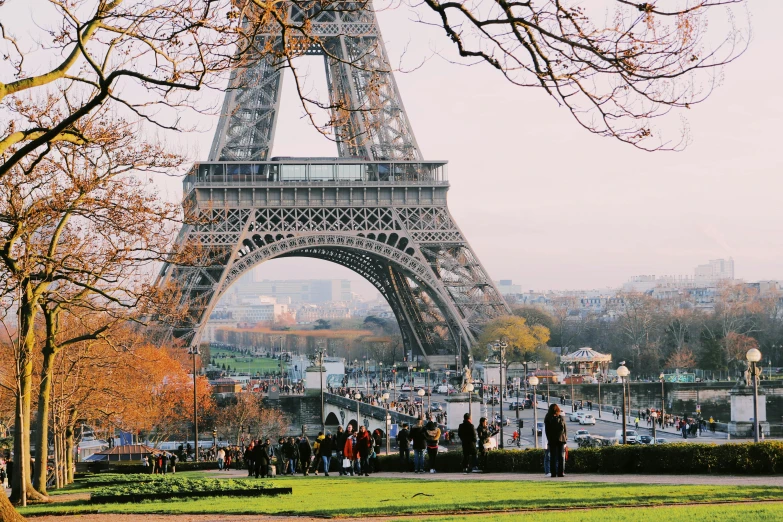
{"x": 321, "y": 371}
{"x": 654, "y": 415}
{"x": 571, "y": 370}
{"x": 385, "y": 398}
{"x": 421, "y": 404}
{"x": 469, "y": 389}
{"x": 663, "y": 398}
{"x": 534, "y": 383}
{"x": 194, "y": 352}
{"x": 214, "y": 438}
{"x": 754, "y": 356}
{"x": 358, "y": 397}
{"x": 501, "y": 346}
{"x": 548, "y": 378}
{"x": 429, "y": 394}
{"x": 623, "y": 373}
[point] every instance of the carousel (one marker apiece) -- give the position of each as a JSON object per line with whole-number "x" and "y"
{"x": 586, "y": 362}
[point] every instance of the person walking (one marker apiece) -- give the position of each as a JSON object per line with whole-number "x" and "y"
{"x": 173, "y": 462}
{"x": 316, "y": 452}
{"x": 339, "y": 444}
{"x": 419, "y": 438}
{"x": 403, "y": 441}
{"x": 364, "y": 448}
{"x": 305, "y": 453}
{"x": 221, "y": 458}
{"x": 557, "y": 436}
{"x": 289, "y": 452}
{"x": 349, "y": 454}
{"x": 432, "y": 435}
{"x": 467, "y": 436}
{"x": 325, "y": 452}
{"x": 249, "y": 458}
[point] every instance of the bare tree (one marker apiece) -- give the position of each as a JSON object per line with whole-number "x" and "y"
{"x": 616, "y": 65}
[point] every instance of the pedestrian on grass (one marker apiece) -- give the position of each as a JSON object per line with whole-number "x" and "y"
{"x": 364, "y": 447}
{"x": 325, "y": 452}
{"x": 339, "y": 444}
{"x": 484, "y": 441}
{"x": 419, "y": 445}
{"x": 173, "y": 462}
{"x": 349, "y": 453}
{"x": 433, "y": 436}
{"x": 305, "y": 453}
{"x": 557, "y": 436}
{"x": 403, "y": 441}
{"x": 467, "y": 436}
{"x": 249, "y": 458}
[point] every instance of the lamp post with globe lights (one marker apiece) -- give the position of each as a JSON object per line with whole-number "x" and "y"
{"x": 385, "y": 398}
{"x": 654, "y": 415}
{"x": 533, "y": 381}
{"x": 421, "y": 393}
{"x": 623, "y": 373}
{"x": 754, "y": 356}
{"x": 663, "y": 398}
{"x": 548, "y": 378}
{"x": 469, "y": 389}
{"x": 571, "y": 371}
{"x": 358, "y": 398}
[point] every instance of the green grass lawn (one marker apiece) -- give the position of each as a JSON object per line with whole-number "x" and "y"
{"x": 245, "y": 363}
{"x": 352, "y": 497}
{"x": 715, "y": 513}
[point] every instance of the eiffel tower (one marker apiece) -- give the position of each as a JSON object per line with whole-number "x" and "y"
{"x": 378, "y": 209}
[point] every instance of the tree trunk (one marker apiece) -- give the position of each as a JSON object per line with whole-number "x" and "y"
{"x": 21, "y": 480}
{"x": 69, "y": 455}
{"x": 7, "y": 511}
{"x": 42, "y": 432}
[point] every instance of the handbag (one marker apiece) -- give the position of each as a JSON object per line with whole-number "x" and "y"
{"x": 346, "y": 463}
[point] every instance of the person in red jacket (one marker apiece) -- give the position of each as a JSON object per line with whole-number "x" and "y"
{"x": 348, "y": 449}
{"x": 364, "y": 448}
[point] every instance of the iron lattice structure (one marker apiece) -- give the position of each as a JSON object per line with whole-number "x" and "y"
{"x": 384, "y": 216}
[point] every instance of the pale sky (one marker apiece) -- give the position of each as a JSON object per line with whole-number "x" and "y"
{"x": 547, "y": 204}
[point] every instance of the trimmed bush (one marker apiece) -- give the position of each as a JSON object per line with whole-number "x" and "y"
{"x": 684, "y": 458}
{"x": 182, "y": 487}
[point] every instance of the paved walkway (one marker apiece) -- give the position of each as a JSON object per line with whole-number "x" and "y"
{"x": 730, "y": 480}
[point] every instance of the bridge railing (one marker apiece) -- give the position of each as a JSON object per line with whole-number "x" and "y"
{"x": 368, "y": 410}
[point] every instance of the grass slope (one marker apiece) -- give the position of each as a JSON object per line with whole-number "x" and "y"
{"x": 245, "y": 363}
{"x": 353, "y": 497}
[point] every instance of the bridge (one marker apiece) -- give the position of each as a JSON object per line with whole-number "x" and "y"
{"x": 340, "y": 411}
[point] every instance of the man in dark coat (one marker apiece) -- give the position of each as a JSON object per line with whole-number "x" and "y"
{"x": 403, "y": 441}
{"x": 467, "y": 435}
{"x": 419, "y": 438}
{"x": 556, "y": 437}
{"x": 304, "y": 455}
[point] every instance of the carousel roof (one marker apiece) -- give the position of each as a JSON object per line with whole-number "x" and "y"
{"x": 586, "y": 354}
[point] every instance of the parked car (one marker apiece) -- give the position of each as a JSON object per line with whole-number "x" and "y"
{"x": 514, "y": 405}
{"x": 403, "y": 397}
{"x": 405, "y": 387}
{"x": 587, "y": 418}
{"x": 436, "y": 406}
{"x": 581, "y": 434}
{"x": 660, "y": 440}
{"x": 645, "y": 439}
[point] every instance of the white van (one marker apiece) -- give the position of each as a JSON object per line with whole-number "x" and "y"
{"x": 630, "y": 435}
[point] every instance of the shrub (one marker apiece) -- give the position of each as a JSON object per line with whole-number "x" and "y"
{"x": 170, "y": 487}
{"x": 684, "y": 458}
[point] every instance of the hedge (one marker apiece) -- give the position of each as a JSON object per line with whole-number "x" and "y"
{"x": 135, "y": 467}
{"x": 679, "y": 458}
{"x": 182, "y": 487}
